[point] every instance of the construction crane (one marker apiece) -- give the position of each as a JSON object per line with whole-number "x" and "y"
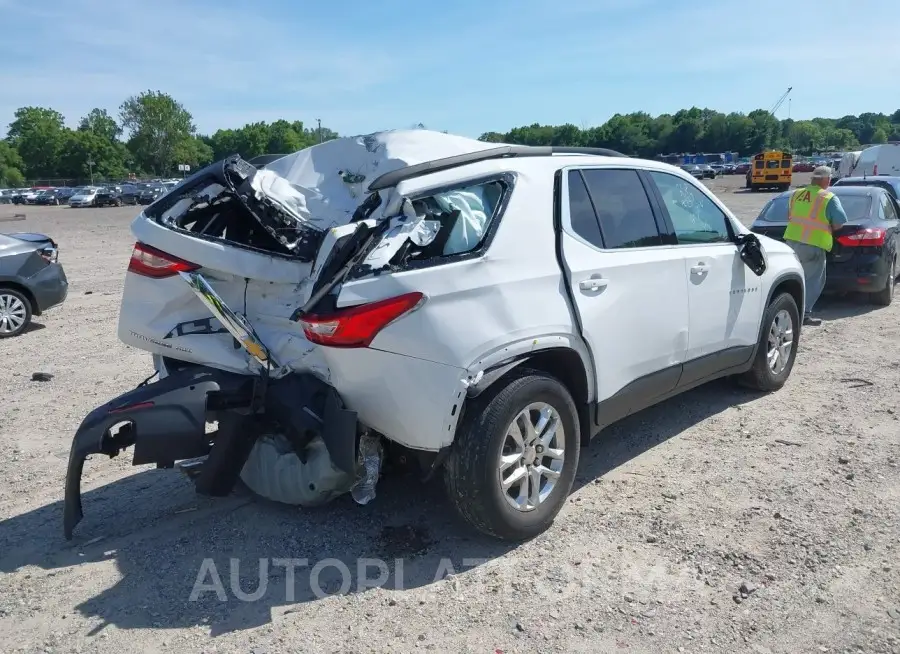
{"x": 780, "y": 101}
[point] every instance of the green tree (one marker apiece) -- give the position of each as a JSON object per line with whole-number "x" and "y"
{"x": 159, "y": 128}
{"x": 85, "y": 154}
{"x": 194, "y": 152}
{"x": 11, "y": 166}
{"x": 38, "y": 134}
{"x": 805, "y": 136}
{"x": 99, "y": 122}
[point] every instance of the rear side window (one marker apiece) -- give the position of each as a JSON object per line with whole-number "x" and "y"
{"x": 785, "y": 163}
{"x": 464, "y": 215}
{"x": 760, "y": 165}
{"x": 581, "y": 211}
{"x": 623, "y": 208}
{"x": 890, "y": 211}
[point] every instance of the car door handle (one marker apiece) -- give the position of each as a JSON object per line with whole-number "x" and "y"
{"x": 592, "y": 284}
{"x": 700, "y": 269}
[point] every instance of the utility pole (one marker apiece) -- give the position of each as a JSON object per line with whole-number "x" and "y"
{"x": 90, "y": 163}
{"x": 319, "y": 120}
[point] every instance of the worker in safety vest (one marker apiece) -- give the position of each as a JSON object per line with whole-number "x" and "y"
{"x": 813, "y": 214}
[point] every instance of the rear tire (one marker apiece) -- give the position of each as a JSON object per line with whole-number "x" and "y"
{"x": 765, "y": 375}
{"x": 15, "y": 313}
{"x": 885, "y": 296}
{"x": 474, "y": 471}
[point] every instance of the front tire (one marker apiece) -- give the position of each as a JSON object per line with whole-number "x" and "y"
{"x": 15, "y": 313}
{"x": 777, "y": 347}
{"x": 515, "y": 456}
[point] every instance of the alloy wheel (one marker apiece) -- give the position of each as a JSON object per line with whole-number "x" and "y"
{"x": 532, "y": 456}
{"x": 780, "y": 342}
{"x": 12, "y": 313}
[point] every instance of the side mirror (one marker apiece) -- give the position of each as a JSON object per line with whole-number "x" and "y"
{"x": 751, "y": 253}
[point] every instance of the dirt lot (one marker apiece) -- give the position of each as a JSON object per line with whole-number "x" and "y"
{"x": 674, "y": 509}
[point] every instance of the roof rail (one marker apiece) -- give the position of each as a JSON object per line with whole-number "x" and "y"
{"x": 394, "y": 177}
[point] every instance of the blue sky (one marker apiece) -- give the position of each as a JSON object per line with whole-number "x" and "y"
{"x": 467, "y": 66}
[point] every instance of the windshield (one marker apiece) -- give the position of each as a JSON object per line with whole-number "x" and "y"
{"x": 855, "y": 206}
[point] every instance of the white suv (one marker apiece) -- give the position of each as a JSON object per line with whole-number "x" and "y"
{"x": 490, "y": 311}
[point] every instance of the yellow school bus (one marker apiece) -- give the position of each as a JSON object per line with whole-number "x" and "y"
{"x": 770, "y": 170}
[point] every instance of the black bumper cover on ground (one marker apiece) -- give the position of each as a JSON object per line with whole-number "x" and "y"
{"x": 166, "y": 422}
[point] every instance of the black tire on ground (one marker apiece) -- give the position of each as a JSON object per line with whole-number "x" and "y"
{"x": 885, "y": 296}
{"x": 472, "y": 470}
{"x": 9, "y": 292}
{"x": 761, "y": 377}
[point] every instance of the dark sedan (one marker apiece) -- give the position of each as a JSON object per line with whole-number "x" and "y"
{"x": 151, "y": 193}
{"x": 54, "y": 197}
{"x": 31, "y": 280}
{"x": 864, "y": 255}
{"x": 108, "y": 197}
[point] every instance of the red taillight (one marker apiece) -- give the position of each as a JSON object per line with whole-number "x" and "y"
{"x": 357, "y": 326}
{"x": 150, "y": 262}
{"x": 862, "y": 238}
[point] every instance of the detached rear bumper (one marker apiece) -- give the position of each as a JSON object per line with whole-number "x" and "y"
{"x": 166, "y": 422}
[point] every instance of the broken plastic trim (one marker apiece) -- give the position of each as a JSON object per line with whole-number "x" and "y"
{"x": 238, "y": 326}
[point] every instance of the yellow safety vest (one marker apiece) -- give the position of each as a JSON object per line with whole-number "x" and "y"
{"x": 807, "y": 222}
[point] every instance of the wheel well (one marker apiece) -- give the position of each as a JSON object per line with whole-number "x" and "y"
{"x": 794, "y": 288}
{"x": 566, "y": 365}
{"x": 35, "y": 310}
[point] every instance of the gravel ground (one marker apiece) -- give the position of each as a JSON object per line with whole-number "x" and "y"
{"x": 791, "y": 498}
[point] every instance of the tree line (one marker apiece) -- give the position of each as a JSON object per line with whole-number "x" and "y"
{"x": 153, "y": 134}
{"x": 704, "y": 130}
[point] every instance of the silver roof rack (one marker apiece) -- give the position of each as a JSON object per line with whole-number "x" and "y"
{"x": 394, "y": 177}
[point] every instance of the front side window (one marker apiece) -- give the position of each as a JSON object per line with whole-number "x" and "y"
{"x": 694, "y": 216}
{"x": 623, "y": 208}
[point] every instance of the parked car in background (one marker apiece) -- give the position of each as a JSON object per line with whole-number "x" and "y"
{"x": 693, "y": 170}
{"x": 108, "y": 196}
{"x": 804, "y": 167}
{"x": 54, "y": 197}
{"x": 707, "y": 171}
{"x": 6, "y": 195}
{"x": 130, "y": 193}
{"x": 741, "y": 168}
{"x": 879, "y": 160}
{"x": 26, "y": 196}
{"x": 864, "y": 255}
{"x": 84, "y": 197}
{"x": 31, "y": 280}
{"x": 890, "y": 183}
{"x": 718, "y": 168}
{"x": 152, "y": 193}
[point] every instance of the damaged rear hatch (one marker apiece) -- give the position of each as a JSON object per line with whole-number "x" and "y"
{"x": 260, "y": 238}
